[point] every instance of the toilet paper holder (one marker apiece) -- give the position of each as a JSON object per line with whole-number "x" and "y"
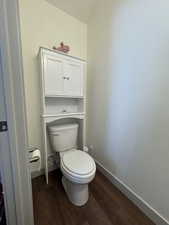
{"x": 34, "y": 154}
{"x": 35, "y": 162}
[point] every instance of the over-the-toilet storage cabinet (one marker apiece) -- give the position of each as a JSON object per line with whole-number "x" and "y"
{"x": 63, "y": 98}
{"x": 62, "y": 76}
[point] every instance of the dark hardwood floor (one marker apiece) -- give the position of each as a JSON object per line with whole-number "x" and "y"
{"x": 106, "y": 205}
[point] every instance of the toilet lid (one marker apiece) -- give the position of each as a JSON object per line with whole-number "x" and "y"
{"x": 78, "y": 162}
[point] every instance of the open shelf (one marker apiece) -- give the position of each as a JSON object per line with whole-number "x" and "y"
{"x": 64, "y": 96}
{"x": 63, "y": 106}
{"x": 64, "y": 114}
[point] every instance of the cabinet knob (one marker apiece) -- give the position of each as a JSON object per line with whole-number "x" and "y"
{"x": 66, "y": 78}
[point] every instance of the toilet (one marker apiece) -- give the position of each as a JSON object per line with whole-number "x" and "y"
{"x": 77, "y": 166}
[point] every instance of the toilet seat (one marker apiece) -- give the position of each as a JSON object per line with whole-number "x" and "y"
{"x": 78, "y": 162}
{"x": 78, "y": 166}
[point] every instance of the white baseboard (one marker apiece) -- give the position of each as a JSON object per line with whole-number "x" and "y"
{"x": 137, "y": 200}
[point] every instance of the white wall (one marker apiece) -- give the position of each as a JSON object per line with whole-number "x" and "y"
{"x": 128, "y": 94}
{"x": 42, "y": 24}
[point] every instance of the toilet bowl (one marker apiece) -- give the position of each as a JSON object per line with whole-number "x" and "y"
{"x": 78, "y": 170}
{"x": 78, "y": 167}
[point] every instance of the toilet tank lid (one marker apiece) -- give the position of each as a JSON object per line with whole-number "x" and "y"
{"x": 56, "y": 128}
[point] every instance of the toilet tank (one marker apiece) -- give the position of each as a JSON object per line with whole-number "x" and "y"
{"x": 63, "y": 137}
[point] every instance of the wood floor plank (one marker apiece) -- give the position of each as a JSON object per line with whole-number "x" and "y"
{"x": 114, "y": 202}
{"x": 106, "y": 205}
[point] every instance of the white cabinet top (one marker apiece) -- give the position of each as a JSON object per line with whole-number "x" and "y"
{"x": 51, "y": 51}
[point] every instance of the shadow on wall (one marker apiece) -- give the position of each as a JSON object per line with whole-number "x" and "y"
{"x": 128, "y": 95}
{"x": 101, "y": 79}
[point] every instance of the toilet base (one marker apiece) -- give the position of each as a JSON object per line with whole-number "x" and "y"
{"x": 78, "y": 194}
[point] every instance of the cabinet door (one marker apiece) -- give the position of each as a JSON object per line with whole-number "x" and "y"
{"x": 73, "y": 82}
{"x": 53, "y": 75}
